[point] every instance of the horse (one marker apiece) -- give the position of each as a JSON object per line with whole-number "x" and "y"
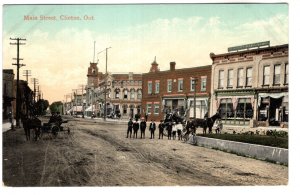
{"x": 206, "y": 123}
{"x": 171, "y": 119}
{"x": 31, "y": 123}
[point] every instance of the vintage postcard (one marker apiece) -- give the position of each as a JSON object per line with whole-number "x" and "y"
{"x": 145, "y": 94}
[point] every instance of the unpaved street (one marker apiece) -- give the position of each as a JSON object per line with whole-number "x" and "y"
{"x": 99, "y": 154}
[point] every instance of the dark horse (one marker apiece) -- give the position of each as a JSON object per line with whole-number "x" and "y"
{"x": 31, "y": 123}
{"x": 206, "y": 123}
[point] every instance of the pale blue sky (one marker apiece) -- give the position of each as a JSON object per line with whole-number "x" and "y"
{"x": 111, "y": 18}
{"x": 136, "y": 33}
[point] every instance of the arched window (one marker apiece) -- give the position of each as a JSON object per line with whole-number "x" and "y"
{"x": 132, "y": 94}
{"x": 117, "y": 93}
{"x": 125, "y": 94}
{"x": 139, "y": 94}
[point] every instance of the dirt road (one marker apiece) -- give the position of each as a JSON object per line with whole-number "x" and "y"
{"x": 99, "y": 154}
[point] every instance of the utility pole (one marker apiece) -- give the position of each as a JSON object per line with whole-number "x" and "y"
{"x": 35, "y": 81}
{"x": 195, "y": 84}
{"x": 18, "y": 43}
{"x": 75, "y": 97}
{"x": 27, "y": 73}
{"x": 82, "y": 86}
{"x": 105, "y": 86}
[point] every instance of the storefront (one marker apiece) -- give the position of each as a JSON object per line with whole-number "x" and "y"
{"x": 273, "y": 108}
{"x": 201, "y": 107}
{"x": 236, "y": 110}
{"x": 174, "y": 104}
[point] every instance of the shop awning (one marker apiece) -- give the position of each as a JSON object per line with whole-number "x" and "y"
{"x": 285, "y": 96}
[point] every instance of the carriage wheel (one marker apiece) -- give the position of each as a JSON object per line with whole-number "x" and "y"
{"x": 55, "y": 130}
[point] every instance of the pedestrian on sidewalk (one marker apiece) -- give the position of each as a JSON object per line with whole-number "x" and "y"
{"x": 143, "y": 126}
{"x": 152, "y": 128}
{"x": 11, "y": 120}
{"x": 129, "y": 128}
{"x": 136, "y": 127}
{"x": 161, "y": 127}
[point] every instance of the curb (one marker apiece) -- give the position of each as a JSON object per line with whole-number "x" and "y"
{"x": 266, "y": 153}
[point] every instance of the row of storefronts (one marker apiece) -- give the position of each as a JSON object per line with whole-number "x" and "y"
{"x": 248, "y": 87}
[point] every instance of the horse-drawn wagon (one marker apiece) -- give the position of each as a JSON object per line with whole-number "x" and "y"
{"x": 53, "y": 127}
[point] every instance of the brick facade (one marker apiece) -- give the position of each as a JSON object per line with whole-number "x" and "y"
{"x": 166, "y": 91}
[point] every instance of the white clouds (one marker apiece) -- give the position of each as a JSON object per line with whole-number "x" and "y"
{"x": 274, "y": 29}
{"x": 60, "y": 61}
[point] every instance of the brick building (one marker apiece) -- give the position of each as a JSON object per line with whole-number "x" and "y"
{"x": 7, "y": 92}
{"x": 250, "y": 85}
{"x": 124, "y": 92}
{"x": 174, "y": 90}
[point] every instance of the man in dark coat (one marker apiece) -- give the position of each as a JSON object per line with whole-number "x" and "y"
{"x": 129, "y": 129}
{"x": 143, "y": 126}
{"x": 152, "y": 128}
{"x": 161, "y": 127}
{"x": 169, "y": 129}
{"x": 136, "y": 127}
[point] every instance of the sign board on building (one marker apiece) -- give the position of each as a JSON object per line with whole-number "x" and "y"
{"x": 248, "y": 46}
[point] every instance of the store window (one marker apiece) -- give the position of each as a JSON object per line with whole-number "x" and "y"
{"x": 244, "y": 108}
{"x": 226, "y": 108}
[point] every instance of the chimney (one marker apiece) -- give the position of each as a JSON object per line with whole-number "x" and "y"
{"x": 172, "y": 66}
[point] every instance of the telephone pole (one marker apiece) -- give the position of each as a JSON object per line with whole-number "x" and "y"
{"x": 35, "y": 82}
{"x": 105, "y": 86}
{"x": 82, "y": 86}
{"x": 27, "y": 73}
{"x": 18, "y": 43}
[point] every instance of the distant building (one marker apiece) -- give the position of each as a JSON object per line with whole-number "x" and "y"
{"x": 250, "y": 85}
{"x": 174, "y": 91}
{"x": 124, "y": 92}
{"x": 7, "y": 92}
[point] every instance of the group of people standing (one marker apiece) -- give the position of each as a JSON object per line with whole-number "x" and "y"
{"x": 171, "y": 128}
{"x": 135, "y": 126}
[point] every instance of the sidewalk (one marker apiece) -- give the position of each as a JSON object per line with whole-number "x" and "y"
{"x": 7, "y": 126}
